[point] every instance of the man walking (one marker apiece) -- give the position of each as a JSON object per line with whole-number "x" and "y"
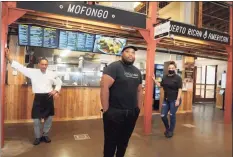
{"x": 42, "y": 85}
{"x": 121, "y": 98}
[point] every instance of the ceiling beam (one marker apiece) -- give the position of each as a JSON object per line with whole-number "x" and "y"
{"x": 207, "y": 18}
{"x": 207, "y": 6}
{"x": 216, "y": 11}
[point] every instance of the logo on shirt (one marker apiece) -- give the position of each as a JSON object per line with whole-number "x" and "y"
{"x": 131, "y": 75}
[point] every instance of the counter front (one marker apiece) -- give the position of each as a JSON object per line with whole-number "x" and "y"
{"x": 73, "y": 103}
{"x": 187, "y": 101}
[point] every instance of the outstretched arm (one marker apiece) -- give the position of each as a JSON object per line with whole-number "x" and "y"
{"x": 19, "y": 67}
{"x": 156, "y": 82}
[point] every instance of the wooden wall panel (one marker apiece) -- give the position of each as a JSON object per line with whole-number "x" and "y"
{"x": 73, "y": 103}
{"x": 17, "y": 53}
{"x": 219, "y": 98}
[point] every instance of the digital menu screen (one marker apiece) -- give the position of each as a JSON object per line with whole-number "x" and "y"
{"x": 23, "y": 34}
{"x": 81, "y": 39}
{"x": 63, "y": 39}
{"x": 75, "y": 41}
{"x": 71, "y": 43}
{"x": 109, "y": 45}
{"x": 36, "y": 36}
{"x": 85, "y": 42}
{"x": 90, "y": 40}
{"x": 50, "y": 38}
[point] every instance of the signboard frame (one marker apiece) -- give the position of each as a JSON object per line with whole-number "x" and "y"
{"x": 85, "y": 11}
{"x": 162, "y": 30}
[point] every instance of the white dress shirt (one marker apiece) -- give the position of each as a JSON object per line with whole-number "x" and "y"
{"x": 41, "y": 82}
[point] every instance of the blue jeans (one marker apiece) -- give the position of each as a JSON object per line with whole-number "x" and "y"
{"x": 169, "y": 106}
{"x": 46, "y": 128}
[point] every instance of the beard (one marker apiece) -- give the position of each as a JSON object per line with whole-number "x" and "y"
{"x": 127, "y": 62}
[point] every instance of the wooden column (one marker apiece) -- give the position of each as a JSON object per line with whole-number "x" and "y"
{"x": 148, "y": 35}
{"x": 200, "y": 9}
{"x": 9, "y": 15}
{"x": 228, "y": 90}
{"x": 4, "y": 29}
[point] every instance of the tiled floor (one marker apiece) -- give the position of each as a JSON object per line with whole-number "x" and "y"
{"x": 204, "y": 135}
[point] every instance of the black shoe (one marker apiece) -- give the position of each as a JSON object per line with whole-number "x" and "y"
{"x": 165, "y": 133}
{"x": 169, "y": 134}
{"x": 37, "y": 141}
{"x": 45, "y": 139}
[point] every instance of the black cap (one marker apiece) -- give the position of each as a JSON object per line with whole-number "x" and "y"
{"x": 126, "y": 47}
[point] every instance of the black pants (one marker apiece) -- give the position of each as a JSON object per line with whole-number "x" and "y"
{"x": 118, "y": 127}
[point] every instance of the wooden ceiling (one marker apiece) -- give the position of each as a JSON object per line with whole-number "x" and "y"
{"x": 143, "y": 6}
{"x": 192, "y": 47}
{"x": 215, "y": 16}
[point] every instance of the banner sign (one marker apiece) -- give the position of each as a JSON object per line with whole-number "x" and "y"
{"x": 181, "y": 29}
{"x": 86, "y": 11}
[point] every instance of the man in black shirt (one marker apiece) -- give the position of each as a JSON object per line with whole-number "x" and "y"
{"x": 172, "y": 85}
{"x": 121, "y": 98}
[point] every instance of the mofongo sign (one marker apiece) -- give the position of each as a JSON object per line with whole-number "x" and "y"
{"x": 86, "y": 11}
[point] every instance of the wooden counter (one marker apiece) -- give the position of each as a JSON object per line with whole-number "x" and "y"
{"x": 219, "y": 98}
{"x": 187, "y": 101}
{"x": 73, "y": 103}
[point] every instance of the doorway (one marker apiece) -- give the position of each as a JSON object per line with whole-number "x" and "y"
{"x": 205, "y": 86}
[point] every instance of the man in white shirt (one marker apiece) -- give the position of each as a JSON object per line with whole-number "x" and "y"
{"x": 42, "y": 85}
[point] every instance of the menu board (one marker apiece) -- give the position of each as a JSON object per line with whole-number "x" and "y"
{"x": 36, "y": 36}
{"x": 50, "y": 38}
{"x": 71, "y": 40}
{"x": 85, "y": 42}
{"x": 90, "y": 40}
{"x": 23, "y": 35}
{"x": 76, "y": 41}
{"x": 63, "y": 39}
{"x": 81, "y": 39}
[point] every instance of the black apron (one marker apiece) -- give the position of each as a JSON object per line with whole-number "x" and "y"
{"x": 43, "y": 106}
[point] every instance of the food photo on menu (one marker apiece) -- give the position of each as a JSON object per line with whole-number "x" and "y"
{"x": 108, "y": 45}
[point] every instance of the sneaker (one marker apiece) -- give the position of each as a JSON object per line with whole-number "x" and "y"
{"x": 45, "y": 139}
{"x": 37, "y": 141}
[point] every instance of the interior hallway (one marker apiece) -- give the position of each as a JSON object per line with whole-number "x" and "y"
{"x": 209, "y": 138}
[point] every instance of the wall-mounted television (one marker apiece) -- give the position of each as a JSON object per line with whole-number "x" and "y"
{"x": 76, "y": 41}
{"x": 50, "y": 38}
{"x": 35, "y": 36}
{"x": 23, "y": 34}
{"x": 30, "y": 35}
{"x": 109, "y": 45}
